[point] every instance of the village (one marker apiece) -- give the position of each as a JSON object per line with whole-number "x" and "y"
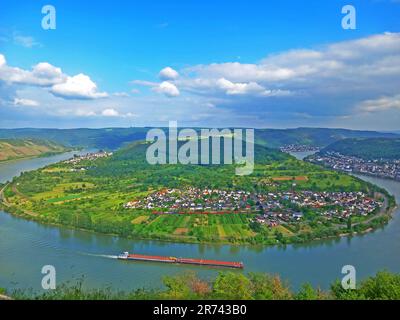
{"x": 270, "y": 208}
{"x": 88, "y": 157}
{"x": 298, "y": 148}
{"x": 389, "y": 169}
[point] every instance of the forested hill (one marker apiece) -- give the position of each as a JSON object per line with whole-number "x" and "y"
{"x": 16, "y": 149}
{"x": 114, "y": 138}
{"x": 106, "y": 138}
{"x": 368, "y": 149}
{"x": 131, "y": 162}
{"x": 320, "y": 137}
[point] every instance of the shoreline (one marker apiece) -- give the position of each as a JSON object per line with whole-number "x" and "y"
{"x": 26, "y": 216}
{"x": 44, "y": 155}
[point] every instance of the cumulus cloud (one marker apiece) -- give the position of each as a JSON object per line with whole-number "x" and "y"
{"x": 340, "y": 64}
{"x": 46, "y": 75}
{"x": 78, "y": 87}
{"x": 309, "y": 86}
{"x": 42, "y": 74}
{"x": 25, "y": 102}
{"x": 168, "y": 74}
{"x": 167, "y": 88}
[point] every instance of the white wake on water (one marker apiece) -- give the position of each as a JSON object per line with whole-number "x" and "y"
{"x": 108, "y": 256}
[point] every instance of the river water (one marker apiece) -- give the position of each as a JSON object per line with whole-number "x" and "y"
{"x": 26, "y": 246}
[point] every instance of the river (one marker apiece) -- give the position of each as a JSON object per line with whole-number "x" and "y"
{"x": 26, "y": 246}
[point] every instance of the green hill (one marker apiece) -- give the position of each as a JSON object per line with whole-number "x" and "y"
{"x": 368, "y": 149}
{"x": 320, "y": 137}
{"x": 11, "y": 149}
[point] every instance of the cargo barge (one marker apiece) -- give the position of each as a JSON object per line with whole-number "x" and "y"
{"x": 200, "y": 262}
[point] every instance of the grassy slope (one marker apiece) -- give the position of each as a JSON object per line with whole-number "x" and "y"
{"x": 11, "y": 149}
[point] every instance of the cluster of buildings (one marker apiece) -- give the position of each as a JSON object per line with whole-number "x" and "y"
{"x": 299, "y": 148}
{"x": 274, "y": 208}
{"x": 379, "y": 167}
{"x": 89, "y": 156}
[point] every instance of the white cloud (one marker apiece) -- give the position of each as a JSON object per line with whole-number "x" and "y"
{"x": 110, "y": 113}
{"x": 311, "y": 69}
{"x": 2, "y": 60}
{"x": 250, "y": 88}
{"x": 316, "y": 86}
{"x": 78, "y": 87}
{"x": 46, "y": 75}
{"x": 380, "y": 104}
{"x": 42, "y": 74}
{"x": 45, "y": 70}
{"x": 167, "y": 88}
{"x": 168, "y": 74}
{"x": 25, "y": 102}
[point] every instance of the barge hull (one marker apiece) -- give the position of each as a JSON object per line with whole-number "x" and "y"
{"x": 199, "y": 262}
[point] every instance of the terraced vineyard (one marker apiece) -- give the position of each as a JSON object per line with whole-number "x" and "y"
{"x": 11, "y": 149}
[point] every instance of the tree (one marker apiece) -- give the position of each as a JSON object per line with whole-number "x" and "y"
{"x": 307, "y": 292}
{"x": 232, "y": 286}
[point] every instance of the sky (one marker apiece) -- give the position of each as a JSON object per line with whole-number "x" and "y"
{"x": 269, "y": 64}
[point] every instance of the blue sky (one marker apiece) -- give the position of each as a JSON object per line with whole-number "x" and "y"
{"x": 245, "y": 63}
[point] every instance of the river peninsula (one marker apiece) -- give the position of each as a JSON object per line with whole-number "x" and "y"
{"x": 284, "y": 201}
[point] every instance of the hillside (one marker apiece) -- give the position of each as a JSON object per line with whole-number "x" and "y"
{"x": 367, "y": 149}
{"x": 105, "y": 138}
{"x": 11, "y": 149}
{"x": 114, "y": 138}
{"x": 320, "y": 137}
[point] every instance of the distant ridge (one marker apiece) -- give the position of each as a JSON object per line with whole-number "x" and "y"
{"x": 114, "y": 138}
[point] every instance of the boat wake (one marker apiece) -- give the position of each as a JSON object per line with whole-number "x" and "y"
{"x": 108, "y": 256}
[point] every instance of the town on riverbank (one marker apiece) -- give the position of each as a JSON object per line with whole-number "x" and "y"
{"x": 382, "y": 168}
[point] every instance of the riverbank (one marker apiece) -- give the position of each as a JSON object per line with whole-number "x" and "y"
{"x": 373, "y": 223}
{"x": 232, "y": 286}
